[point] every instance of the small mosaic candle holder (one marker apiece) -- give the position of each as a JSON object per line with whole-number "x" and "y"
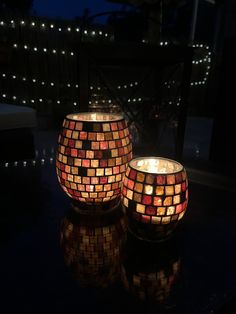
{"x": 155, "y": 194}
{"x": 93, "y": 154}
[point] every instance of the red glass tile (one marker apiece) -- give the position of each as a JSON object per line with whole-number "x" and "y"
{"x": 124, "y": 191}
{"x": 86, "y": 163}
{"x": 97, "y": 154}
{"x": 70, "y": 191}
{"x": 178, "y": 177}
{"x": 74, "y": 152}
{"x": 184, "y": 175}
{"x": 121, "y": 134}
{"x": 130, "y": 184}
{"x": 171, "y": 179}
{"x": 150, "y": 210}
{"x": 161, "y": 180}
{"x": 179, "y": 208}
{"x": 103, "y": 163}
{"x": 72, "y": 125}
{"x": 117, "y": 192}
{"x": 118, "y": 143}
{"x": 63, "y": 175}
{"x": 88, "y": 188}
{"x": 102, "y": 194}
{"x": 183, "y": 186}
{"x": 79, "y": 126}
{"x": 132, "y": 174}
{"x": 116, "y": 170}
{"x": 103, "y": 145}
{"x": 120, "y": 125}
{"x": 81, "y": 153}
{"x": 71, "y": 143}
{"x": 121, "y": 151}
{"x": 147, "y": 199}
{"x": 83, "y": 135}
{"x": 186, "y": 194}
{"x": 184, "y": 205}
{"x": 114, "y": 126}
{"x": 67, "y": 151}
{"x": 115, "y": 185}
{"x": 103, "y": 180}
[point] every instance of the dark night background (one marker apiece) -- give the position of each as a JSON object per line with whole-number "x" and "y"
{"x": 40, "y": 69}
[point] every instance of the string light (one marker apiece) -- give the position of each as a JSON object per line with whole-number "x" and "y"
{"x": 93, "y": 32}
{"x": 33, "y": 100}
{"x": 36, "y": 49}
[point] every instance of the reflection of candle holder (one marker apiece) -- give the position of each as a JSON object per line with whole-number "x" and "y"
{"x": 151, "y": 272}
{"x": 155, "y": 193}
{"x": 92, "y": 156}
{"x": 93, "y": 246}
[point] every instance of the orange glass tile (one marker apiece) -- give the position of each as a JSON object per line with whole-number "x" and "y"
{"x": 138, "y": 187}
{"x": 161, "y": 211}
{"x": 157, "y": 201}
{"x": 167, "y": 201}
{"x": 91, "y": 172}
{"x": 140, "y": 208}
{"x": 77, "y": 162}
{"x": 149, "y": 179}
{"x": 177, "y": 188}
{"x": 160, "y": 190}
{"x": 171, "y": 179}
{"x": 176, "y": 199}
{"x": 169, "y": 190}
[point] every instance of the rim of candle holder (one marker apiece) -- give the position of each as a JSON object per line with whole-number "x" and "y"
{"x": 156, "y": 158}
{"x": 114, "y": 117}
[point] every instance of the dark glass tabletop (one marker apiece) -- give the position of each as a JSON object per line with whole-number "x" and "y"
{"x": 54, "y": 260}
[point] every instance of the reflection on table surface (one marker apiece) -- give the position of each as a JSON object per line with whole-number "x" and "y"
{"x": 151, "y": 271}
{"x": 98, "y": 254}
{"x": 93, "y": 246}
{"x": 195, "y": 276}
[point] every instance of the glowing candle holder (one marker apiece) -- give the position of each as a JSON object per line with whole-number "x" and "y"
{"x": 93, "y": 153}
{"x": 155, "y": 193}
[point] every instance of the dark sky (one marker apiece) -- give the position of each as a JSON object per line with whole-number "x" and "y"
{"x": 68, "y": 9}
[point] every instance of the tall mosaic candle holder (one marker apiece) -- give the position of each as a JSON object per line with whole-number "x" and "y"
{"x": 155, "y": 194}
{"x": 93, "y": 154}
